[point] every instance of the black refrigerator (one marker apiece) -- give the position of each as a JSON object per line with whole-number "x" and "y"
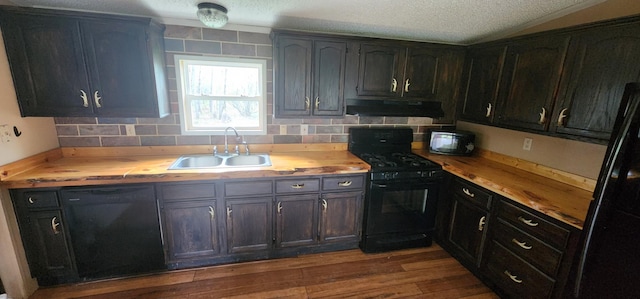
{"x": 608, "y": 265}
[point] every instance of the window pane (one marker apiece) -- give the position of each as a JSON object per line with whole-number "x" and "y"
{"x": 208, "y": 80}
{"x": 216, "y": 113}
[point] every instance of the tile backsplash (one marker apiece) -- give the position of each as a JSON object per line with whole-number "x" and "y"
{"x": 96, "y": 131}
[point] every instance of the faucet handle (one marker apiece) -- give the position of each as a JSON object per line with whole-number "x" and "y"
{"x": 215, "y": 150}
{"x": 237, "y": 150}
{"x": 246, "y": 148}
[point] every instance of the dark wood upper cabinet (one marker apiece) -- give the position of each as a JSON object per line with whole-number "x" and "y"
{"x": 380, "y": 70}
{"x": 309, "y": 76}
{"x": 72, "y": 64}
{"x": 600, "y": 62}
{"x": 529, "y": 82}
{"x": 483, "y": 69}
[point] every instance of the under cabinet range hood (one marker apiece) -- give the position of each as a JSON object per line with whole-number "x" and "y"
{"x": 394, "y": 107}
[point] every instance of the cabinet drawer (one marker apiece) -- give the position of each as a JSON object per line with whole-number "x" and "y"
{"x": 40, "y": 199}
{"x": 297, "y": 185}
{"x": 188, "y": 191}
{"x": 473, "y": 193}
{"x": 343, "y": 183}
{"x": 248, "y": 188}
{"x": 515, "y": 276}
{"x": 532, "y": 250}
{"x": 533, "y": 225}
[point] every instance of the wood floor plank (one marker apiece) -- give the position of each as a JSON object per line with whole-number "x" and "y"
{"x": 114, "y": 285}
{"x": 416, "y": 273}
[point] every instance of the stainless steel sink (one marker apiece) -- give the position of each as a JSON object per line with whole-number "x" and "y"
{"x": 215, "y": 162}
{"x": 248, "y": 160}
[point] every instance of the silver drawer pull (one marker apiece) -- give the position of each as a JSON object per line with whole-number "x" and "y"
{"x": 212, "y": 212}
{"x": 521, "y": 244}
{"x": 527, "y": 221}
{"x": 31, "y": 201}
{"x": 345, "y": 184}
{"x": 467, "y": 192}
{"x": 513, "y": 277}
{"x": 54, "y": 225}
{"x": 297, "y": 186}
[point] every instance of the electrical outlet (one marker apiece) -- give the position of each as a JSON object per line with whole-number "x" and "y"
{"x": 131, "y": 130}
{"x": 283, "y": 130}
{"x": 5, "y": 133}
{"x": 304, "y": 129}
{"x": 526, "y": 145}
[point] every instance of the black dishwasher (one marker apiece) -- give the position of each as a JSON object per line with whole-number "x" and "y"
{"x": 114, "y": 231}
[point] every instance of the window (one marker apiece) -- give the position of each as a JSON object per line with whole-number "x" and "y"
{"x": 219, "y": 92}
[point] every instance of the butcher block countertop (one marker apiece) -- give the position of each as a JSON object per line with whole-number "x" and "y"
{"x": 76, "y": 167}
{"x": 558, "y": 195}
{"x": 563, "y": 197}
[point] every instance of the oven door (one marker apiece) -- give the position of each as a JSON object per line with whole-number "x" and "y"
{"x": 401, "y": 207}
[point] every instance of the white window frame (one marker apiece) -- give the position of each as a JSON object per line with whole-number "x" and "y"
{"x": 184, "y": 100}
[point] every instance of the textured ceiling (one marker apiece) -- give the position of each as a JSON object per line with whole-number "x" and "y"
{"x": 447, "y": 21}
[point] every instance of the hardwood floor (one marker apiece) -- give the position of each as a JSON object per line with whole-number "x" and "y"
{"x": 414, "y": 273}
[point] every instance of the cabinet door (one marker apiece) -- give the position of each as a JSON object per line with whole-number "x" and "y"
{"x": 190, "y": 229}
{"x": 529, "y": 82}
{"x": 421, "y": 73}
{"x": 47, "y": 242}
{"x": 340, "y": 216}
{"x": 448, "y": 83}
{"x": 380, "y": 70}
{"x": 601, "y": 62}
{"x": 482, "y": 75}
{"x": 467, "y": 229}
{"x": 328, "y": 78}
{"x": 293, "y": 82}
{"x": 296, "y": 220}
{"x": 46, "y": 60}
{"x": 120, "y": 68}
{"x": 249, "y": 225}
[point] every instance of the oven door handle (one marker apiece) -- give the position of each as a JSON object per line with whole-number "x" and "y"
{"x": 379, "y": 185}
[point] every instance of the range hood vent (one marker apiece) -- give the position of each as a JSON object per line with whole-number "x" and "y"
{"x": 431, "y": 109}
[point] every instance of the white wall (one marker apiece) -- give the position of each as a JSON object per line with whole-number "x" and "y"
{"x": 581, "y": 158}
{"x": 38, "y": 135}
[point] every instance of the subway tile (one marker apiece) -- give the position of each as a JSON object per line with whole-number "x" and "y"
{"x": 286, "y": 121}
{"x": 293, "y": 129}
{"x": 316, "y": 138}
{"x": 171, "y": 72}
{"x": 79, "y": 141}
{"x": 396, "y": 120}
{"x": 317, "y": 121}
{"x": 254, "y": 38}
{"x": 217, "y": 139}
{"x": 67, "y": 130}
{"x": 238, "y": 49}
{"x": 193, "y": 140}
{"x": 185, "y": 32}
{"x": 121, "y": 141}
{"x": 273, "y": 129}
{"x": 117, "y": 120}
{"x": 329, "y": 129}
{"x": 204, "y": 47}
{"x": 157, "y": 140}
{"x": 347, "y": 119}
{"x": 287, "y": 139}
{"x": 99, "y": 130}
{"x": 371, "y": 120}
{"x": 75, "y": 120}
{"x": 420, "y": 120}
{"x": 169, "y": 130}
{"x": 264, "y": 51}
{"x": 172, "y": 84}
{"x": 339, "y": 138}
{"x": 219, "y": 35}
{"x": 259, "y": 139}
{"x": 167, "y": 120}
{"x": 173, "y": 45}
{"x": 146, "y": 130}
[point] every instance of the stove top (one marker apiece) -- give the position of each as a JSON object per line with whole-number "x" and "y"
{"x": 397, "y": 161}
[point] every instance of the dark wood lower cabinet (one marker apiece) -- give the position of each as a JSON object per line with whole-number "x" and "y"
{"x": 340, "y": 216}
{"x": 191, "y": 230}
{"x": 517, "y": 251}
{"x": 249, "y": 224}
{"x": 296, "y": 220}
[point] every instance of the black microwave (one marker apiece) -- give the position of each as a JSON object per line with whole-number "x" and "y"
{"x": 452, "y": 142}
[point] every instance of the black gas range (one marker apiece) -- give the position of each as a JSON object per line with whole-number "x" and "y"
{"x": 402, "y": 190}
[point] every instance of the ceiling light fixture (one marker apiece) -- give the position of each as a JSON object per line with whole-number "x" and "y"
{"x": 212, "y": 15}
